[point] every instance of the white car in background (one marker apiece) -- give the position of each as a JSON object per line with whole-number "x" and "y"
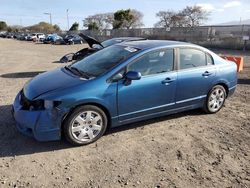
{"x": 39, "y": 37}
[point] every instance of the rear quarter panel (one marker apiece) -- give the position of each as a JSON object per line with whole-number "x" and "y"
{"x": 226, "y": 73}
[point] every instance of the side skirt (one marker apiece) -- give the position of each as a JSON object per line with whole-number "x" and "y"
{"x": 116, "y": 122}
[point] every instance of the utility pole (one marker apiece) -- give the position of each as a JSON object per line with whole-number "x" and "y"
{"x": 68, "y": 17}
{"x": 50, "y": 17}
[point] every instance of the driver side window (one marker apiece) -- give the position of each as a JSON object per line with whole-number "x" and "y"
{"x": 154, "y": 62}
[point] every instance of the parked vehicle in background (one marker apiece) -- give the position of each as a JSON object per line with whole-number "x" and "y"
{"x": 53, "y": 39}
{"x": 39, "y": 37}
{"x": 19, "y": 36}
{"x": 24, "y": 36}
{"x": 94, "y": 46}
{"x": 121, "y": 84}
{"x": 10, "y": 35}
{"x": 3, "y": 34}
{"x": 73, "y": 39}
{"x": 31, "y": 37}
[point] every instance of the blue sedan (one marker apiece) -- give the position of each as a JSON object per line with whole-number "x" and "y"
{"x": 121, "y": 84}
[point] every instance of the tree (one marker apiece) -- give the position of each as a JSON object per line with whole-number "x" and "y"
{"x": 3, "y": 25}
{"x": 99, "y": 21}
{"x": 189, "y": 17}
{"x": 136, "y": 21}
{"x": 74, "y": 27}
{"x": 127, "y": 19}
{"x": 93, "y": 26}
{"x": 14, "y": 28}
{"x": 120, "y": 17}
{"x": 56, "y": 27}
{"x": 44, "y": 27}
{"x": 9, "y": 29}
{"x": 194, "y": 15}
{"x": 166, "y": 18}
{"x": 179, "y": 20}
{"x": 170, "y": 19}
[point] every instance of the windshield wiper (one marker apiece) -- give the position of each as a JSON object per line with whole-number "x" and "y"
{"x": 73, "y": 70}
{"x": 68, "y": 69}
{"x": 81, "y": 73}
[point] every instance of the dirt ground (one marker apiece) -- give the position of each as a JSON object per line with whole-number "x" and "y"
{"x": 189, "y": 149}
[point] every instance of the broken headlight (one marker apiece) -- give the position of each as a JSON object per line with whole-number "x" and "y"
{"x": 51, "y": 104}
{"x": 39, "y": 104}
{"x": 36, "y": 105}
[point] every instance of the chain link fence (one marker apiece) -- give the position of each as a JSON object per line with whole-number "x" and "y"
{"x": 226, "y": 37}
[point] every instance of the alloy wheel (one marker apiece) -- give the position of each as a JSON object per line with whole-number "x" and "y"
{"x": 86, "y": 126}
{"x": 216, "y": 99}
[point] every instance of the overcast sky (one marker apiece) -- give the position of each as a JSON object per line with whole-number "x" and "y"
{"x": 28, "y": 12}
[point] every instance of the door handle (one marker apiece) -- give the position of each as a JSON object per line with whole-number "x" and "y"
{"x": 167, "y": 81}
{"x": 207, "y": 73}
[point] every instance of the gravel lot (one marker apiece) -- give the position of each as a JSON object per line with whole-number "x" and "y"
{"x": 189, "y": 149}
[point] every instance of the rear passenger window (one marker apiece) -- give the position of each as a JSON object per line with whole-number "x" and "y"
{"x": 154, "y": 62}
{"x": 190, "y": 58}
{"x": 210, "y": 60}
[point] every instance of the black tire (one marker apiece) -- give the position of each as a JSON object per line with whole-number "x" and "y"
{"x": 207, "y": 108}
{"x": 67, "y": 124}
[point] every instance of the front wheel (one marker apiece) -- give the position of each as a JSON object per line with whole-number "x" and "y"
{"x": 215, "y": 99}
{"x": 85, "y": 125}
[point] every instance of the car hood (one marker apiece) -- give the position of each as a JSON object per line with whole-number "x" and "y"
{"x": 90, "y": 40}
{"x": 49, "y": 81}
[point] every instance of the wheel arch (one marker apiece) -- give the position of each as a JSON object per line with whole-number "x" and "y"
{"x": 102, "y": 107}
{"x": 223, "y": 84}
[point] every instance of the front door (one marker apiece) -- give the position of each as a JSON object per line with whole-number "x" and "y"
{"x": 154, "y": 92}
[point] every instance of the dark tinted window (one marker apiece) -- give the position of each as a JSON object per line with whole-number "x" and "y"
{"x": 154, "y": 62}
{"x": 190, "y": 58}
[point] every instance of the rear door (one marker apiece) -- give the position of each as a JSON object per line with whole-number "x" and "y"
{"x": 196, "y": 74}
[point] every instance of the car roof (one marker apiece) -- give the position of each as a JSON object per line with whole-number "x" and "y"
{"x": 128, "y": 38}
{"x": 148, "y": 44}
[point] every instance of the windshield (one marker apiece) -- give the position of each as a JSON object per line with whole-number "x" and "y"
{"x": 103, "y": 60}
{"x": 111, "y": 42}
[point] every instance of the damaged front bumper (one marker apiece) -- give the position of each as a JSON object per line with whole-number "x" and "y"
{"x": 43, "y": 125}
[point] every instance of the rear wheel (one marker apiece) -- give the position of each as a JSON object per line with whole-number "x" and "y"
{"x": 215, "y": 99}
{"x": 85, "y": 125}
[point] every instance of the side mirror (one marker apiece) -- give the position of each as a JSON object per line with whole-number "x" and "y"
{"x": 117, "y": 77}
{"x": 131, "y": 75}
